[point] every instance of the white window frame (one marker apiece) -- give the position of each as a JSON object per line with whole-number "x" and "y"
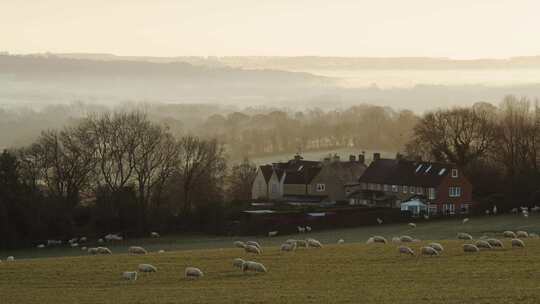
{"x": 405, "y": 189}
{"x": 386, "y": 188}
{"x": 454, "y": 191}
{"x": 419, "y": 190}
{"x": 320, "y": 188}
{"x": 412, "y": 190}
{"x": 431, "y": 193}
{"x": 395, "y": 188}
{"x": 455, "y": 173}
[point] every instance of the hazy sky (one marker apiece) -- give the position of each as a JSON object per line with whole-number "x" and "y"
{"x": 453, "y": 28}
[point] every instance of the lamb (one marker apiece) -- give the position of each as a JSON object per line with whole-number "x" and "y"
{"x": 464, "y": 236}
{"x": 314, "y": 243}
{"x": 154, "y": 234}
{"x": 436, "y": 246}
{"x": 518, "y": 243}
{"x": 129, "y": 275}
{"x": 104, "y": 250}
{"x": 405, "y": 250}
{"x": 405, "y": 239}
{"x": 495, "y": 243}
{"x": 412, "y": 225}
{"x": 193, "y": 273}
{"x": 253, "y": 266}
{"x": 470, "y": 248}
{"x": 136, "y": 250}
{"x": 308, "y": 228}
{"x": 272, "y": 233}
{"x": 239, "y": 244}
{"x": 522, "y": 234}
{"x": 252, "y": 249}
{"x": 483, "y": 244}
{"x": 301, "y": 229}
{"x": 465, "y": 220}
{"x": 288, "y": 247}
{"x": 10, "y": 258}
{"x": 238, "y": 263}
{"x": 341, "y": 241}
{"x": 509, "y": 234}
{"x": 429, "y": 251}
{"x": 147, "y": 268}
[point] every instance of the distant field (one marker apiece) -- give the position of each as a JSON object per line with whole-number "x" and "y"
{"x": 348, "y": 273}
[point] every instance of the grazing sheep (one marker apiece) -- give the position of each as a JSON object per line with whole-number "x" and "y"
{"x": 412, "y": 225}
{"x": 238, "y": 263}
{"x": 341, "y": 241}
{"x": 379, "y": 239}
{"x": 436, "y": 246}
{"x": 100, "y": 241}
{"x": 75, "y": 245}
{"x": 302, "y": 243}
{"x": 252, "y": 249}
{"x": 147, "y": 268}
{"x": 405, "y": 239}
{"x": 509, "y": 234}
{"x": 193, "y": 273}
{"x": 129, "y": 275}
{"x": 429, "y": 251}
{"x": 518, "y": 243}
{"x": 10, "y": 258}
{"x": 495, "y": 243}
{"x": 464, "y": 236}
{"x": 487, "y": 211}
{"x": 426, "y": 217}
{"x": 154, "y": 234}
{"x": 253, "y": 266}
{"x": 83, "y": 239}
{"x": 253, "y": 243}
{"x": 484, "y": 237}
{"x": 40, "y": 246}
{"x": 533, "y": 235}
{"x": 535, "y": 209}
{"x": 514, "y": 210}
{"x": 405, "y": 250}
{"x": 396, "y": 239}
{"x": 470, "y": 248}
{"x": 113, "y": 237}
{"x": 314, "y": 243}
{"x": 291, "y": 241}
{"x": 272, "y": 233}
{"x": 239, "y": 244}
{"x": 301, "y": 229}
{"x": 93, "y": 250}
{"x": 288, "y": 247}
{"x": 136, "y": 250}
{"x": 483, "y": 244}
{"x": 522, "y": 234}
{"x": 465, "y": 220}
{"x": 525, "y": 215}
{"x": 308, "y": 228}
{"x": 380, "y": 221}
{"x": 161, "y": 251}
{"x": 104, "y": 250}
{"x": 73, "y": 240}
{"x": 83, "y": 248}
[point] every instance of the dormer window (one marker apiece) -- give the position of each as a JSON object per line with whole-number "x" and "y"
{"x": 455, "y": 173}
{"x": 321, "y": 187}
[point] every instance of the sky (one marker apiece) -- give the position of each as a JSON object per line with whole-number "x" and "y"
{"x": 460, "y": 29}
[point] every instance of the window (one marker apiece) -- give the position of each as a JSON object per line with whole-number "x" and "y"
{"x": 386, "y": 188}
{"x": 395, "y": 188}
{"x": 405, "y": 189}
{"x": 419, "y": 190}
{"x": 448, "y": 208}
{"x": 274, "y": 188}
{"x": 378, "y": 187}
{"x": 454, "y": 191}
{"x": 432, "y": 209}
{"x": 454, "y": 173}
{"x": 321, "y": 187}
{"x": 431, "y": 194}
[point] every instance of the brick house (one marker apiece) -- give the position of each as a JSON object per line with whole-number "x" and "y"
{"x": 390, "y": 182}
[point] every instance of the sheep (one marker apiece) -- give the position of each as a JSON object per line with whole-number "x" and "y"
{"x": 10, "y": 258}
{"x": 301, "y": 243}
{"x": 429, "y": 251}
{"x": 483, "y": 244}
{"x": 193, "y": 273}
{"x": 75, "y": 245}
{"x": 252, "y": 249}
{"x": 129, "y": 275}
{"x": 161, "y": 251}
{"x": 104, "y": 250}
{"x": 535, "y": 209}
{"x": 73, "y": 240}
{"x": 465, "y": 220}
{"x": 272, "y": 233}
{"x": 113, "y": 237}
{"x": 518, "y": 243}
{"x": 136, "y": 250}
{"x": 314, "y": 243}
{"x": 101, "y": 241}
{"x": 514, "y": 210}
{"x": 239, "y": 244}
{"x": 412, "y": 225}
{"x": 238, "y": 263}
{"x": 40, "y": 246}
{"x": 405, "y": 250}
{"x": 405, "y": 239}
{"x": 509, "y": 234}
{"x": 464, "y": 236}
{"x": 470, "y": 248}
{"x": 396, "y": 239}
{"x": 147, "y": 268}
{"x": 83, "y": 239}
{"x": 379, "y": 239}
{"x": 288, "y": 247}
{"x": 154, "y": 234}
{"x": 301, "y": 229}
{"x": 253, "y": 266}
{"x": 533, "y": 235}
{"x": 380, "y": 221}
{"x": 426, "y": 217}
{"x": 253, "y": 243}
{"x": 436, "y": 246}
{"x": 487, "y": 211}
{"x": 495, "y": 243}
{"x": 308, "y": 228}
{"x": 83, "y": 248}
{"x": 341, "y": 241}
{"x": 291, "y": 241}
{"x": 93, "y": 250}
{"x": 522, "y": 234}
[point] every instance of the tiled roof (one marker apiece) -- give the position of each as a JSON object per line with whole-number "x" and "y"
{"x": 302, "y": 175}
{"x": 267, "y": 172}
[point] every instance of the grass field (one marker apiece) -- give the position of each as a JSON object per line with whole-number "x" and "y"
{"x": 348, "y": 273}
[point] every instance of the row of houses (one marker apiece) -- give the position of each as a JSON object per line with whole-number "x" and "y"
{"x": 416, "y": 186}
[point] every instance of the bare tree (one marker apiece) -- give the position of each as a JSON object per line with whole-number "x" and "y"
{"x": 241, "y": 180}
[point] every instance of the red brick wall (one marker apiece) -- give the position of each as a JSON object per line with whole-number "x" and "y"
{"x": 443, "y": 191}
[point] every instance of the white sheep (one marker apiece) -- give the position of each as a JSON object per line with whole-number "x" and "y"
{"x": 514, "y": 210}
{"x": 100, "y": 241}
{"x": 161, "y": 251}
{"x": 288, "y": 247}
{"x": 252, "y": 249}
{"x": 10, "y": 258}
{"x": 396, "y": 239}
{"x": 495, "y": 243}
{"x": 429, "y": 251}
{"x": 533, "y": 235}
{"x": 83, "y": 239}
{"x": 483, "y": 244}
{"x": 522, "y": 234}
{"x": 136, "y": 250}
{"x": 509, "y": 234}
{"x": 301, "y": 243}
{"x": 193, "y": 273}
{"x": 147, "y": 268}
{"x": 379, "y": 239}
{"x": 341, "y": 241}
{"x": 464, "y": 236}
{"x": 412, "y": 225}
{"x": 253, "y": 243}
{"x": 426, "y": 217}
{"x": 314, "y": 243}
{"x": 239, "y": 244}
{"x": 238, "y": 263}
{"x": 308, "y": 228}
{"x": 465, "y": 220}
{"x": 405, "y": 239}
{"x": 253, "y": 266}
{"x": 436, "y": 246}
{"x": 380, "y": 221}
{"x": 301, "y": 229}
{"x": 129, "y": 275}
{"x": 104, "y": 250}
{"x": 405, "y": 250}
{"x": 93, "y": 250}
{"x": 74, "y": 245}
{"x": 518, "y": 243}
{"x": 272, "y": 233}
{"x": 470, "y": 248}
{"x": 83, "y": 248}
{"x": 40, "y": 246}
{"x": 154, "y": 234}
{"x": 291, "y": 241}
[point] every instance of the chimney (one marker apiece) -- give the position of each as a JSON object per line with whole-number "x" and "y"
{"x": 352, "y": 158}
{"x": 361, "y": 158}
{"x": 376, "y": 156}
{"x": 297, "y": 157}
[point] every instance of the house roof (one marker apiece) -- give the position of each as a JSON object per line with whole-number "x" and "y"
{"x": 266, "y": 172}
{"x": 405, "y": 172}
{"x": 302, "y": 175}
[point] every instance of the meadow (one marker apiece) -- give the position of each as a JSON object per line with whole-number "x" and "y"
{"x": 353, "y": 272}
